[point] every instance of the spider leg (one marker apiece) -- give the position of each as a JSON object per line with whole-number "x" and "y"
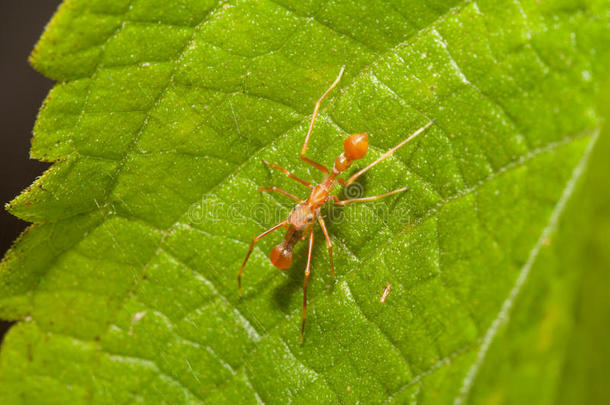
{"x": 387, "y": 154}
{"x": 279, "y": 190}
{"x": 288, "y": 174}
{"x": 305, "y": 282}
{"x": 329, "y": 243}
{"x": 256, "y": 239}
{"x": 366, "y": 199}
{"x": 316, "y": 109}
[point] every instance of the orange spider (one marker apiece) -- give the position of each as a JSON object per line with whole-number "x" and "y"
{"x": 300, "y": 222}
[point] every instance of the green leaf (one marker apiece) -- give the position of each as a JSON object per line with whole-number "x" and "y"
{"x": 125, "y": 288}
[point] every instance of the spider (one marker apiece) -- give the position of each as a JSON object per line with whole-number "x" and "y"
{"x": 300, "y": 222}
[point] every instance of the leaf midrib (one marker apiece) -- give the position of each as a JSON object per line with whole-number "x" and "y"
{"x": 503, "y": 316}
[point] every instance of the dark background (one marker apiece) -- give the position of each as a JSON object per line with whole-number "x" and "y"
{"x": 22, "y": 91}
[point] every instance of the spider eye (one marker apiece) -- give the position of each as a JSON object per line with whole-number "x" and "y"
{"x": 309, "y": 217}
